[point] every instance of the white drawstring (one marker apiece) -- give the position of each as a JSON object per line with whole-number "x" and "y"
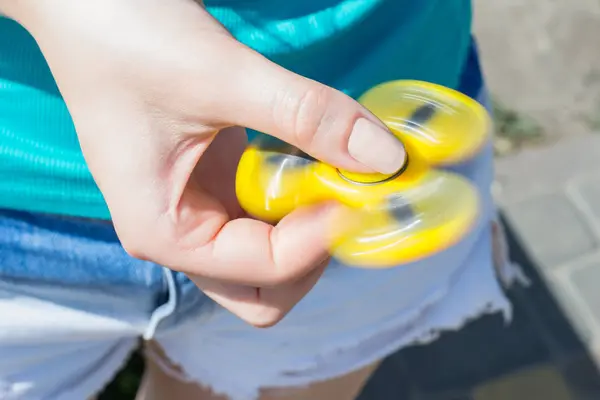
{"x": 164, "y": 310}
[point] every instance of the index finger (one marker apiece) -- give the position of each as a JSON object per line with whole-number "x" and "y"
{"x": 250, "y": 252}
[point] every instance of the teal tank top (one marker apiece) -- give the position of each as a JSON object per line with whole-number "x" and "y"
{"x": 350, "y": 45}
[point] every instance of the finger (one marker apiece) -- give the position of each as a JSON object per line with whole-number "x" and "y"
{"x": 260, "y": 307}
{"x": 203, "y": 241}
{"x": 321, "y": 121}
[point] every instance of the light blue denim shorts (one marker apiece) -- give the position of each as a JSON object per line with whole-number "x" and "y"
{"x": 73, "y": 306}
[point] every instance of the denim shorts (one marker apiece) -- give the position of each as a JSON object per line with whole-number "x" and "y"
{"x": 73, "y": 306}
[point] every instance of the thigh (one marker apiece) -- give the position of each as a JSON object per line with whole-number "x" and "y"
{"x": 161, "y": 385}
{"x": 345, "y": 387}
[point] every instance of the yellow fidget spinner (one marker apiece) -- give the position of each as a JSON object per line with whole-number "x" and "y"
{"x": 412, "y": 214}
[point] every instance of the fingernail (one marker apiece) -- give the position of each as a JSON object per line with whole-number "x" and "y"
{"x": 375, "y": 147}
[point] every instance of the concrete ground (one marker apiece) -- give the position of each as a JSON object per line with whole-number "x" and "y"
{"x": 542, "y": 58}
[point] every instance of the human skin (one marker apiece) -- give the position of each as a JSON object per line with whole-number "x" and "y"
{"x": 159, "y": 93}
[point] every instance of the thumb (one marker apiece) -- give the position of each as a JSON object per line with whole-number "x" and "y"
{"x": 319, "y": 120}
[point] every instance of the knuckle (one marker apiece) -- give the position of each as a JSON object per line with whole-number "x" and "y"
{"x": 286, "y": 269}
{"x": 303, "y": 113}
{"x": 311, "y": 115}
{"x": 282, "y": 276}
{"x": 135, "y": 248}
{"x": 142, "y": 242}
{"x": 266, "y": 324}
{"x": 284, "y": 273}
{"x": 266, "y": 319}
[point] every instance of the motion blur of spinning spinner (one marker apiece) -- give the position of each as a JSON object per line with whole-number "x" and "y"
{"x": 414, "y": 213}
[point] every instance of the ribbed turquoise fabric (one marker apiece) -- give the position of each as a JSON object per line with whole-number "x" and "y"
{"x": 348, "y": 44}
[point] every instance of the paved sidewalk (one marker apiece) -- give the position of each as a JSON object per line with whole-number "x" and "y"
{"x": 541, "y": 58}
{"x": 551, "y": 197}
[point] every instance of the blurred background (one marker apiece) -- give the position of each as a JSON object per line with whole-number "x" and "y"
{"x": 542, "y": 61}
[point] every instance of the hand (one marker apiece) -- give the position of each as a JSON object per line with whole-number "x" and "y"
{"x": 158, "y": 91}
